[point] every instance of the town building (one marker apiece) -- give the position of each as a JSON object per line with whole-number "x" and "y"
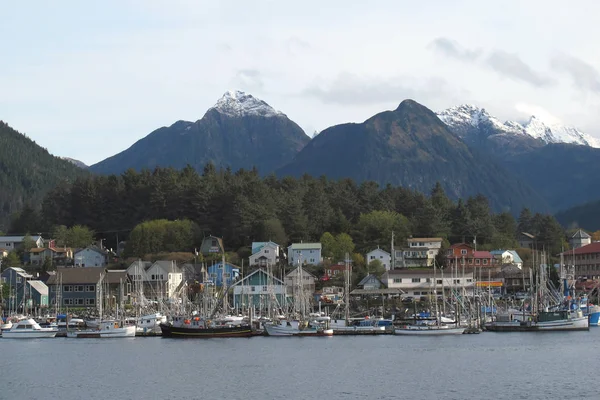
{"x": 515, "y": 279}
{"x": 370, "y": 282}
{"x": 297, "y": 278}
{"x": 264, "y": 253}
{"x": 259, "y": 289}
{"x": 91, "y": 256}
{"x": 306, "y": 253}
{"x": 212, "y": 245}
{"x": 421, "y": 252}
{"x": 57, "y": 256}
{"x": 381, "y": 255}
{"x": 25, "y": 291}
{"x": 329, "y": 295}
{"x": 579, "y": 239}
{"x": 526, "y": 240}
{"x": 421, "y": 282}
{"x": 504, "y": 257}
{"x": 464, "y": 255}
{"x": 333, "y": 271}
{"x": 80, "y": 287}
{"x": 215, "y": 274}
{"x": 12, "y": 243}
{"x": 586, "y": 260}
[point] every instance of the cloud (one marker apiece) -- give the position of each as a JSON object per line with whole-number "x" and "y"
{"x": 585, "y": 77}
{"x": 510, "y": 65}
{"x": 249, "y": 79}
{"x": 533, "y": 109}
{"x": 452, "y": 49}
{"x": 349, "y": 89}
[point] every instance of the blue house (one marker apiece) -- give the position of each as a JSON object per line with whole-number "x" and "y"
{"x": 24, "y": 289}
{"x": 215, "y": 273}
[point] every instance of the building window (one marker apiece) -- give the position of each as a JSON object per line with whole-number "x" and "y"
{"x": 79, "y": 302}
{"x": 266, "y": 251}
{"x": 416, "y": 280}
{"x": 477, "y": 261}
{"x": 253, "y": 288}
{"x": 396, "y": 280}
{"x": 438, "y": 281}
{"x": 485, "y": 262}
{"x": 463, "y": 252}
{"x": 90, "y": 302}
{"x": 90, "y": 288}
{"x": 67, "y": 288}
{"x": 68, "y": 302}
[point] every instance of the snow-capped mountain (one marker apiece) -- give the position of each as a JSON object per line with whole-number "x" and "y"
{"x": 468, "y": 120}
{"x": 236, "y": 103}
{"x": 78, "y": 163}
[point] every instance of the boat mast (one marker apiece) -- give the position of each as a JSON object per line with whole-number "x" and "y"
{"x": 347, "y": 290}
{"x": 224, "y": 277}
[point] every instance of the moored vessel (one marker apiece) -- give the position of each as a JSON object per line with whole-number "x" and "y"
{"x": 28, "y": 329}
{"x": 197, "y": 327}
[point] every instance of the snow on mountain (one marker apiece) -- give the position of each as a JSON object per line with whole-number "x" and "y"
{"x": 464, "y": 118}
{"x": 237, "y": 104}
{"x": 80, "y": 164}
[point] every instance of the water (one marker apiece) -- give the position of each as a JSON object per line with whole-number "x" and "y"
{"x": 489, "y": 365}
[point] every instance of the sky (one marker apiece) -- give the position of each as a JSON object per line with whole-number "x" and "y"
{"x": 86, "y": 80}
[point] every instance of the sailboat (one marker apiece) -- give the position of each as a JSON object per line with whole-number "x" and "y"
{"x": 431, "y": 328}
{"x": 313, "y": 326}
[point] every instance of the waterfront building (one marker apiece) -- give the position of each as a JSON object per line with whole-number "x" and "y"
{"x": 580, "y": 239}
{"x": 292, "y": 281}
{"x": 585, "y": 259}
{"x": 420, "y": 282}
{"x": 25, "y": 290}
{"x": 215, "y": 273}
{"x": 258, "y": 289}
{"x": 420, "y": 252}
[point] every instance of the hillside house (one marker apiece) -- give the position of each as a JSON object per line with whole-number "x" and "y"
{"x": 526, "y": 240}
{"x": 421, "y": 252}
{"x": 306, "y": 253}
{"x": 264, "y": 253}
{"x": 215, "y": 274}
{"x": 57, "y": 256}
{"x": 381, "y": 255}
{"x": 91, "y": 256}
{"x": 212, "y": 245}
{"x": 12, "y": 243}
{"x": 504, "y": 257}
{"x": 297, "y": 278}
{"x": 462, "y": 254}
{"x": 370, "y": 282}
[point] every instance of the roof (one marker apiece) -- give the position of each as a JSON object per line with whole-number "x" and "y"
{"x": 516, "y": 257}
{"x": 39, "y": 287}
{"x": 380, "y": 250}
{"x": 257, "y": 246}
{"x": 427, "y": 272}
{"x": 93, "y": 248}
{"x": 424, "y": 240}
{"x": 275, "y": 280}
{"x": 482, "y": 254}
{"x": 529, "y": 235}
{"x": 304, "y": 272}
{"x": 167, "y": 266}
{"x": 140, "y": 264}
{"x": 19, "y": 271}
{"x": 85, "y": 275}
{"x": 587, "y": 249}
{"x": 378, "y": 291}
{"x": 368, "y": 278}
{"x": 18, "y": 238}
{"x": 580, "y": 235}
{"x": 456, "y": 245}
{"x": 305, "y": 246}
{"x": 37, "y": 249}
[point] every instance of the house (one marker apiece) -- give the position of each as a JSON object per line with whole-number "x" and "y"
{"x": 38, "y": 294}
{"x": 306, "y": 253}
{"x": 332, "y": 271}
{"x": 193, "y": 273}
{"x": 259, "y": 289}
{"x": 580, "y": 239}
{"x": 299, "y": 277}
{"x": 503, "y": 257}
{"x": 163, "y": 279}
{"x": 586, "y": 260}
{"x": 24, "y": 289}
{"x": 264, "y": 253}
{"x": 515, "y": 279}
{"x": 421, "y": 252}
{"x": 420, "y": 282}
{"x": 137, "y": 270}
{"x": 12, "y": 243}
{"x": 91, "y": 256}
{"x": 215, "y": 273}
{"x": 80, "y": 287}
{"x": 378, "y": 254}
{"x": 211, "y": 245}
{"x": 370, "y": 282}
{"x": 463, "y": 254}
{"x": 526, "y": 240}
{"x": 57, "y": 256}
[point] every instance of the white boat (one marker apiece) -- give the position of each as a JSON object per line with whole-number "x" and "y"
{"x": 29, "y": 329}
{"x": 150, "y": 323}
{"x": 295, "y": 328}
{"x": 429, "y": 330}
{"x": 106, "y": 329}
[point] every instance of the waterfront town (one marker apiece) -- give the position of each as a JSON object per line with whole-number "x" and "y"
{"x": 403, "y": 281}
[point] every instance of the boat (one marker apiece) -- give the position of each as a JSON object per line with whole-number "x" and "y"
{"x": 106, "y": 329}
{"x": 196, "y": 327}
{"x": 284, "y": 327}
{"x": 429, "y": 330}
{"x": 150, "y": 323}
{"x": 28, "y": 329}
{"x": 363, "y": 326}
{"x": 559, "y": 320}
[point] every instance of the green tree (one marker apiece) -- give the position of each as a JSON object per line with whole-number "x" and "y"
{"x": 27, "y": 245}
{"x": 328, "y": 245}
{"x": 11, "y": 260}
{"x": 343, "y": 245}
{"x": 376, "y": 268}
{"x": 60, "y": 233}
{"x": 376, "y": 227}
{"x": 79, "y": 236}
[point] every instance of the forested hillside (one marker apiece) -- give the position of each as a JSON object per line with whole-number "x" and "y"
{"x": 27, "y": 172}
{"x": 242, "y": 207}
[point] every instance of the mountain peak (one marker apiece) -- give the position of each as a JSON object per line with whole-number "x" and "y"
{"x": 236, "y": 103}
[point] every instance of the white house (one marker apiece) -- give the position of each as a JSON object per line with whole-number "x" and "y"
{"x": 294, "y": 280}
{"x": 307, "y": 253}
{"x": 421, "y": 252}
{"x": 579, "y": 239}
{"x": 419, "y": 283}
{"x": 507, "y": 257}
{"x": 264, "y": 253}
{"x": 162, "y": 279}
{"x": 381, "y": 255}
{"x": 12, "y": 243}
{"x": 137, "y": 270}
{"x": 90, "y": 257}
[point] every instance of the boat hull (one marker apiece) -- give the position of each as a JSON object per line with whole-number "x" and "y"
{"x": 126, "y": 331}
{"x": 279, "y": 330}
{"x": 29, "y": 335}
{"x": 429, "y": 331}
{"x": 575, "y": 324}
{"x": 224, "y": 332}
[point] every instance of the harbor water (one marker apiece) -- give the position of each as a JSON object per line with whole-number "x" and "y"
{"x": 484, "y": 366}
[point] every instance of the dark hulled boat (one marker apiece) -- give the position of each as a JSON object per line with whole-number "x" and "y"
{"x": 199, "y": 328}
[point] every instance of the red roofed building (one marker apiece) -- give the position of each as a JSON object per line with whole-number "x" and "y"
{"x": 586, "y": 260}
{"x": 464, "y": 254}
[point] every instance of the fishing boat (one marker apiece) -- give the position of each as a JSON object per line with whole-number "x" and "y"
{"x": 28, "y": 329}
{"x": 429, "y": 330}
{"x": 150, "y": 323}
{"x": 285, "y": 327}
{"x": 106, "y": 329}
{"x": 559, "y": 320}
{"x": 196, "y": 327}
